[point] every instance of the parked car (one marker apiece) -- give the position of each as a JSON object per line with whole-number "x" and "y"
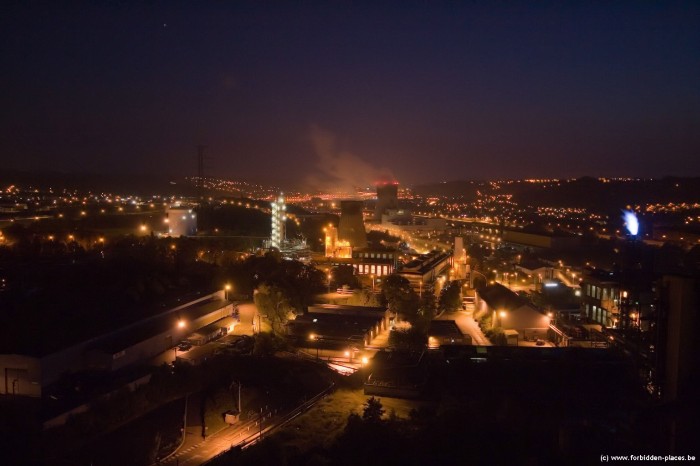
{"x": 184, "y": 346}
{"x": 539, "y": 342}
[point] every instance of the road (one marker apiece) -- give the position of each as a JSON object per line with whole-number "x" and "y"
{"x": 198, "y": 451}
{"x": 248, "y": 314}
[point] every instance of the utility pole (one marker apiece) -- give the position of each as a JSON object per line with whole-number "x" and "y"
{"x": 184, "y": 419}
{"x": 260, "y": 424}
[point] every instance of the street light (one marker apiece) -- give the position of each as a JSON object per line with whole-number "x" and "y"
{"x": 372, "y": 282}
{"x": 227, "y": 288}
{"x": 314, "y": 338}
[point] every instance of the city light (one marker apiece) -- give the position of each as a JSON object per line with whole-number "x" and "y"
{"x": 631, "y": 222}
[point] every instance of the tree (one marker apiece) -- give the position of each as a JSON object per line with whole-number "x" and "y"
{"x": 412, "y": 339}
{"x": 267, "y": 344}
{"x": 297, "y": 281}
{"x": 373, "y": 410}
{"x": 364, "y": 298}
{"x": 428, "y": 305}
{"x": 450, "y": 297}
{"x": 400, "y": 297}
{"x": 345, "y": 275}
{"x": 273, "y": 304}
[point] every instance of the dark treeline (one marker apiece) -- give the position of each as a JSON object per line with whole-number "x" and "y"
{"x": 56, "y": 293}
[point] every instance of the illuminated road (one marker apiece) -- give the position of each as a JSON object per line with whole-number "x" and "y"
{"x": 198, "y": 451}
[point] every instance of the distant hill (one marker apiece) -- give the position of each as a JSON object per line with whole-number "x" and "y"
{"x": 462, "y": 188}
{"x": 595, "y": 194}
{"x": 119, "y": 183}
{"x": 585, "y": 192}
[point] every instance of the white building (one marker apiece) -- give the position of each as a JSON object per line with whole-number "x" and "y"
{"x": 279, "y": 217}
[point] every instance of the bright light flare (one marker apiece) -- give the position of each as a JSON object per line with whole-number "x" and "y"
{"x": 631, "y": 222}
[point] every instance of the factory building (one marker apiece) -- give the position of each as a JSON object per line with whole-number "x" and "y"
{"x": 181, "y": 221}
{"x": 31, "y": 373}
{"x": 334, "y": 247}
{"x": 347, "y": 245}
{"x": 422, "y": 272}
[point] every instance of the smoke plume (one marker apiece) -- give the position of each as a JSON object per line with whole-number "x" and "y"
{"x": 339, "y": 170}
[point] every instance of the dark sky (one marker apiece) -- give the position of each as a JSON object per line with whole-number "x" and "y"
{"x": 446, "y": 91}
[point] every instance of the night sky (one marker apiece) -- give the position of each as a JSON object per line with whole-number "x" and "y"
{"x": 353, "y": 90}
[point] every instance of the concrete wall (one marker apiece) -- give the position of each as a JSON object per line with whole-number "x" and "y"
{"x": 20, "y": 375}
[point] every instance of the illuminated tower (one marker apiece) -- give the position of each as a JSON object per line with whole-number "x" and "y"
{"x": 460, "y": 257}
{"x": 279, "y": 217}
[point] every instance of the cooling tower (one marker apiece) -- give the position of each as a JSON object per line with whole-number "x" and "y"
{"x": 351, "y": 227}
{"x": 387, "y": 198}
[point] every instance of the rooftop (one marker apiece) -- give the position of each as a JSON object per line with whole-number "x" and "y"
{"x": 498, "y": 296}
{"x": 143, "y": 330}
